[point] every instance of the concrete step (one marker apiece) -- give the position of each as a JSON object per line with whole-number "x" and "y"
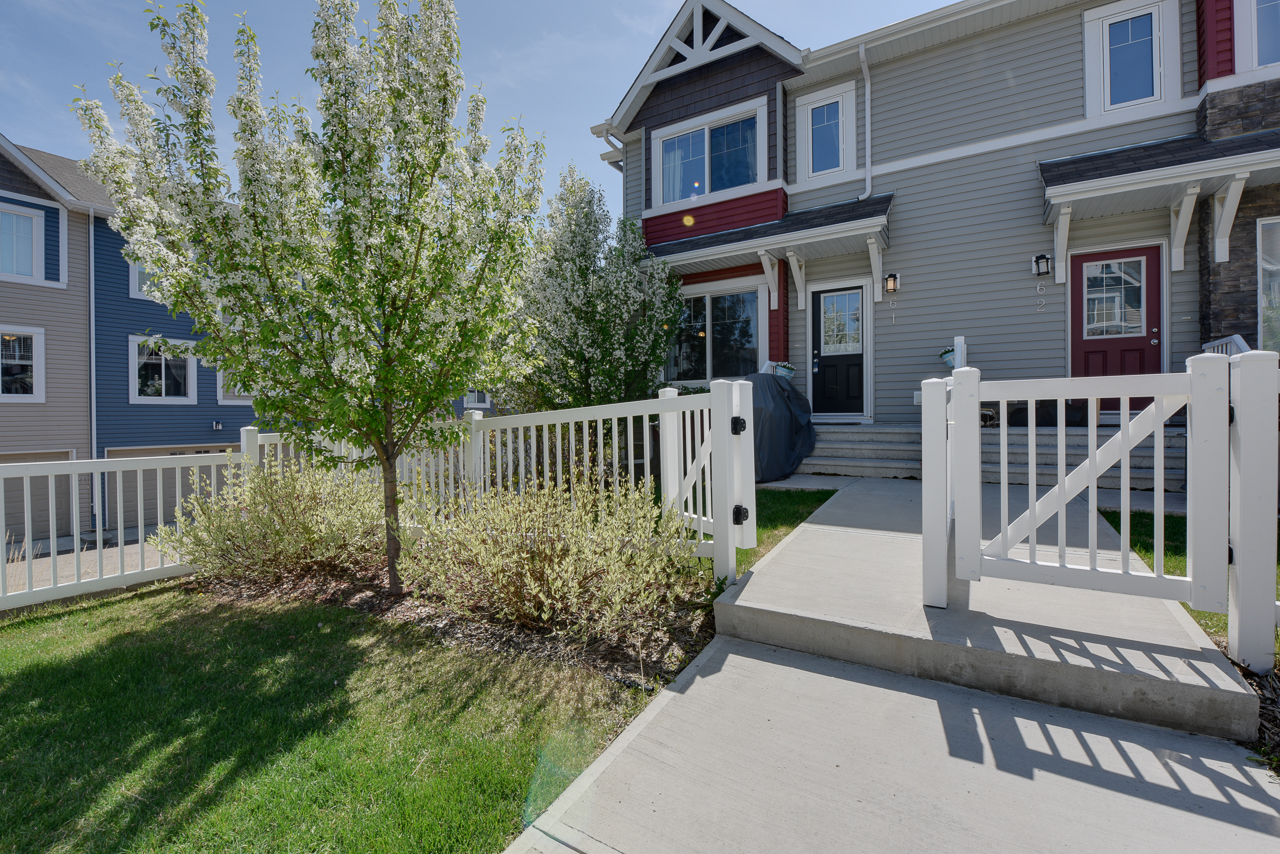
{"x": 867, "y": 450}
{"x": 846, "y": 585}
{"x": 1139, "y": 458}
{"x": 853, "y": 467}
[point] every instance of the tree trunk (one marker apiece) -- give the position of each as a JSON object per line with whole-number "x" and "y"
{"x": 391, "y": 513}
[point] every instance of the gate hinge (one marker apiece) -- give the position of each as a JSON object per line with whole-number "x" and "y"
{"x": 1231, "y": 413}
{"x": 737, "y": 425}
{"x": 740, "y": 514}
{"x": 1231, "y": 555}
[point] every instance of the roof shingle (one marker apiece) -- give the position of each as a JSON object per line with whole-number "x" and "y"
{"x": 1153, "y": 155}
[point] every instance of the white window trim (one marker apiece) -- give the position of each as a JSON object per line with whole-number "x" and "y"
{"x": 135, "y": 288}
{"x": 134, "y": 397}
{"x": 225, "y": 399}
{"x": 469, "y": 401}
{"x": 1269, "y": 220}
{"x": 37, "y": 247}
{"x": 37, "y": 352}
{"x": 743, "y": 285}
{"x": 759, "y": 107}
{"x": 1245, "y": 15}
{"x": 1167, "y": 54}
{"x": 846, "y": 94}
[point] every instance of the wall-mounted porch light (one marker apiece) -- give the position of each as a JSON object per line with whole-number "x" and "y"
{"x": 1041, "y": 265}
{"x": 891, "y": 283}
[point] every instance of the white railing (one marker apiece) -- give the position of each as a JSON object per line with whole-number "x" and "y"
{"x": 1232, "y": 345}
{"x": 1230, "y": 407}
{"x": 81, "y": 526}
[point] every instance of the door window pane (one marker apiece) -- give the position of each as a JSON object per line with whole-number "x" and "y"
{"x": 1131, "y": 57}
{"x": 16, "y": 255}
{"x": 733, "y": 155}
{"x": 688, "y": 360}
{"x": 1113, "y": 298}
{"x": 17, "y": 364}
{"x": 842, "y": 323}
{"x": 733, "y": 335}
{"x": 1268, "y": 31}
{"x": 826, "y": 136}
{"x": 684, "y": 166}
{"x": 1269, "y": 286}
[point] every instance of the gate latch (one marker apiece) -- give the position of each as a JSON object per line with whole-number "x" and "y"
{"x": 737, "y": 425}
{"x": 740, "y": 514}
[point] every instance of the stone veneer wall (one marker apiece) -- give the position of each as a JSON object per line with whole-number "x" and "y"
{"x": 1229, "y": 290}
{"x": 1247, "y": 109}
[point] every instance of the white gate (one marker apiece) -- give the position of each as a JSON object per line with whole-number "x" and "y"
{"x": 1230, "y": 407}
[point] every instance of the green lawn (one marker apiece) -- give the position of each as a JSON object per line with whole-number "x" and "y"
{"x": 778, "y": 512}
{"x": 1142, "y": 538}
{"x": 161, "y": 721}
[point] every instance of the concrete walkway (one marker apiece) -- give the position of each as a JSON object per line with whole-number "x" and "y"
{"x": 760, "y": 748}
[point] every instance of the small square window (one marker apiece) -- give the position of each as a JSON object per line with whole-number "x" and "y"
{"x": 157, "y": 377}
{"x": 825, "y": 137}
{"x": 476, "y": 399}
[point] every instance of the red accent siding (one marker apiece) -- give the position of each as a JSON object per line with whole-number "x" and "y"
{"x": 721, "y": 274}
{"x": 778, "y": 343}
{"x": 768, "y": 206}
{"x": 1215, "y": 39}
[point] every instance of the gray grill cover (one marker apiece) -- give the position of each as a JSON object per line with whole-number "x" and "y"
{"x": 783, "y": 426}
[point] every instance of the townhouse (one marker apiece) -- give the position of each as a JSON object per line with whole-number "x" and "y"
{"x": 1077, "y": 188}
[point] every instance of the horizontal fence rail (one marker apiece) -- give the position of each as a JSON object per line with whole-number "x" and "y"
{"x": 80, "y": 526}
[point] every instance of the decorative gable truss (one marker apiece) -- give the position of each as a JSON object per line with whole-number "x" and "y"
{"x": 702, "y": 32}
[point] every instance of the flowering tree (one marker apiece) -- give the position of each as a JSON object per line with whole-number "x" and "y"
{"x": 604, "y": 309}
{"x": 357, "y": 280}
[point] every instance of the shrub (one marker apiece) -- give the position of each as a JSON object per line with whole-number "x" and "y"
{"x": 278, "y": 518}
{"x": 582, "y": 562}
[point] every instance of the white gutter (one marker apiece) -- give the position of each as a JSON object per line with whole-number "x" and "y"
{"x": 866, "y": 117}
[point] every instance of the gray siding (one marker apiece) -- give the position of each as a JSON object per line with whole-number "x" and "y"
{"x": 962, "y": 236}
{"x": 633, "y": 179}
{"x": 62, "y": 421}
{"x": 1190, "y": 57}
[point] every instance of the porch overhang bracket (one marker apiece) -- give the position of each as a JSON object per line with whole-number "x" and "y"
{"x": 1224, "y": 216}
{"x": 797, "y": 276}
{"x": 770, "y": 265}
{"x": 877, "y": 267}
{"x": 1180, "y": 225}
{"x": 1060, "y": 232}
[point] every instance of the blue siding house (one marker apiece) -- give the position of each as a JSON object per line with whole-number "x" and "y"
{"x": 149, "y": 404}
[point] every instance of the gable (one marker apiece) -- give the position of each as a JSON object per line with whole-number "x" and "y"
{"x": 14, "y": 180}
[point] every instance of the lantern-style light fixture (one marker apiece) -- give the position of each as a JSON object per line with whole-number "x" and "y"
{"x": 891, "y": 283}
{"x": 1041, "y": 265}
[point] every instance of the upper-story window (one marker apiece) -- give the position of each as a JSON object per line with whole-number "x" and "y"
{"x": 140, "y": 283}
{"x": 825, "y": 135}
{"x": 711, "y": 154}
{"x": 21, "y": 244}
{"x": 1132, "y": 57}
{"x": 157, "y": 377}
{"x": 1268, "y": 30}
{"x": 21, "y": 364}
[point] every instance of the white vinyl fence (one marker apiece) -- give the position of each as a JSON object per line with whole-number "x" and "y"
{"x": 699, "y": 448}
{"x": 1230, "y": 409}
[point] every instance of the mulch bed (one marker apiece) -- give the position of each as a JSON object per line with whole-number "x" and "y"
{"x": 365, "y": 590}
{"x": 1267, "y": 747}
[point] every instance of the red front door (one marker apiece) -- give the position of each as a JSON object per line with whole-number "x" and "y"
{"x": 1116, "y": 325}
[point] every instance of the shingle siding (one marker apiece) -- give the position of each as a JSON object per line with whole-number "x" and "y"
{"x": 15, "y": 180}
{"x": 125, "y": 425}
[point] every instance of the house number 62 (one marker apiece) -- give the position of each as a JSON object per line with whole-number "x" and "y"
{"x": 1040, "y": 304}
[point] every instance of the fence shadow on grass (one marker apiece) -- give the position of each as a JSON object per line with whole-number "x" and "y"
{"x": 133, "y": 739}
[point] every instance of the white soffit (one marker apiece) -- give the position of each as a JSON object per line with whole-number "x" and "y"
{"x": 849, "y": 238}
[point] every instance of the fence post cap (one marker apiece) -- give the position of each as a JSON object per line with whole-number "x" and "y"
{"x": 1251, "y": 356}
{"x": 667, "y": 393}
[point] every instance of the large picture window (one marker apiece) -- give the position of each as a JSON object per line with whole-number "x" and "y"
{"x": 717, "y": 331}
{"x": 1269, "y": 284}
{"x": 156, "y": 377}
{"x": 711, "y": 154}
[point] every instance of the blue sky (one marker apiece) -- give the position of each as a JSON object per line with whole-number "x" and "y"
{"x": 559, "y": 65}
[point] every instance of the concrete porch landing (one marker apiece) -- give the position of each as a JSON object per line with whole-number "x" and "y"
{"x": 846, "y": 585}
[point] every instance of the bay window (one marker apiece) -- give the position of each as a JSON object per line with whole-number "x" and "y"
{"x": 716, "y": 331}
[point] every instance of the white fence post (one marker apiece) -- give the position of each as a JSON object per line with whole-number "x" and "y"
{"x": 249, "y": 445}
{"x": 966, "y": 470}
{"x": 472, "y": 453}
{"x": 669, "y": 448}
{"x": 724, "y": 488}
{"x": 1251, "y": 615}
{"x": 934, "y": 475}
{"x": 961, "y": 352}
{"x": 1207, "y": 468}
{"x": 744, "y": 460}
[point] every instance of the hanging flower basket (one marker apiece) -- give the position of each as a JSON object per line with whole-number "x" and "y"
{"x": 785, "y": 369}
{"x": 948, "y": 355}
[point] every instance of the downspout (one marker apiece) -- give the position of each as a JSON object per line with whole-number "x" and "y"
{"x": 93, "y": 377}
{"x": 866, "y": 116}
